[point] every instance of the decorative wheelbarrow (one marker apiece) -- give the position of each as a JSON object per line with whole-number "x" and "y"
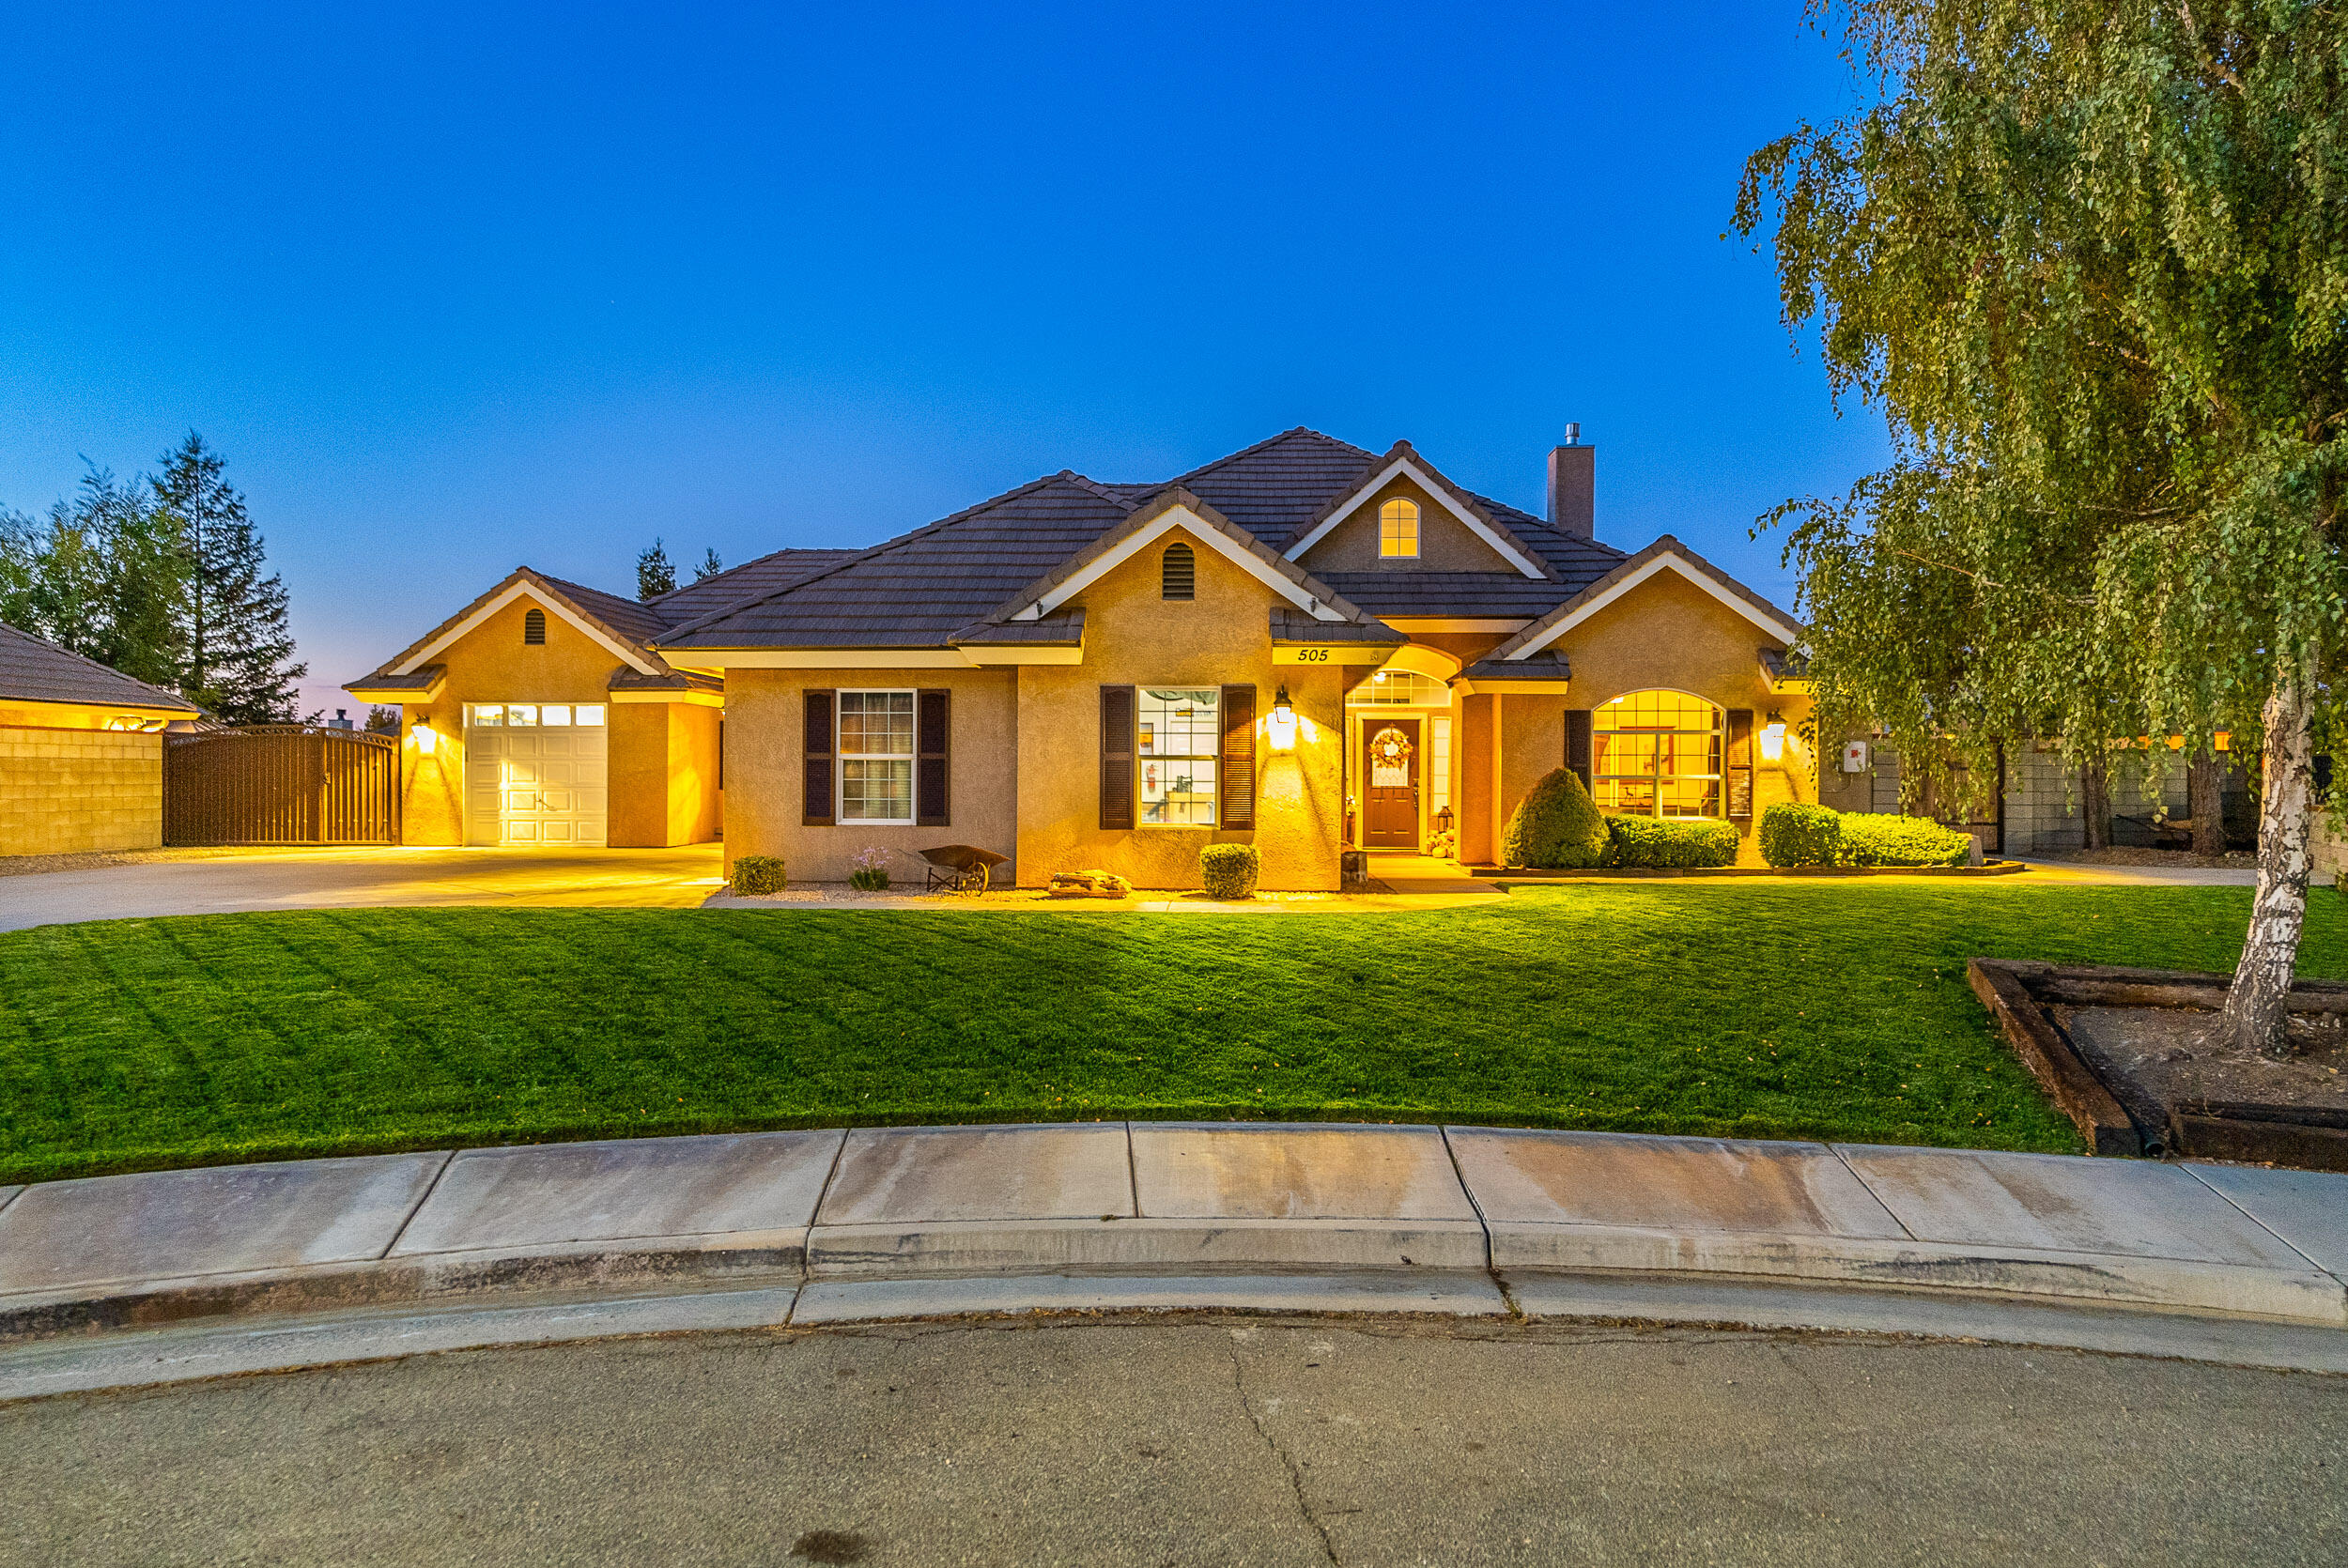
{"x": 962, "y": 868}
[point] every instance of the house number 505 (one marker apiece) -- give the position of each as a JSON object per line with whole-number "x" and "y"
{"x": 1312, "y": 655}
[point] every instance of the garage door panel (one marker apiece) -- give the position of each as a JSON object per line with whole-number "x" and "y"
{"x": 543, "y": 786}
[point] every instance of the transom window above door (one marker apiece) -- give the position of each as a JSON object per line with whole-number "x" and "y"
{"x": 524, "y": 716}
{"x": 876, "y": 757}
{"x": 1397, "y": 529}
{"x": 1399, "y": 688}
{"x": 1656, "y": 754}
{"x": 1178, "y": 738}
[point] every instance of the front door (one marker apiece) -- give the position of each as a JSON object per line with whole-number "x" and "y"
{"x": 1390, "y": 769}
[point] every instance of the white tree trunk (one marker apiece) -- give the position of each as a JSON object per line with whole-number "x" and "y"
{"x": 2258, "y": 1003}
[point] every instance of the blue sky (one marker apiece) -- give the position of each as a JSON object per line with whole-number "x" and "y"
{"x": 459, "y": 289}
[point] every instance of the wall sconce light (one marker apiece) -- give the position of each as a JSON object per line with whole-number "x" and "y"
{"x": 1773, "y": 737}
{"x": 425, "y": 738}
{"x": 1282, "y": 726}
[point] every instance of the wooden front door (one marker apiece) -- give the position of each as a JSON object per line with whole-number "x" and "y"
{"x": 1390, "y": 769}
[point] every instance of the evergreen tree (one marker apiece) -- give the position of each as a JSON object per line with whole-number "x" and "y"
{"x": 104, "y": 576}
{"x": 381, "y": 720}
{"x": 655, "y": 576}
{"x": 709, "y": 567}
{"x": 238, "y": 646}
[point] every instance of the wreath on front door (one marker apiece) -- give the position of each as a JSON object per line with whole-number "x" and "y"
{"x": 1390, "y": 748}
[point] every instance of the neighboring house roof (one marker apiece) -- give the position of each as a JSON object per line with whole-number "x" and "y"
{"x": 33, "y": 670}
{"x": 1666, "y": 554}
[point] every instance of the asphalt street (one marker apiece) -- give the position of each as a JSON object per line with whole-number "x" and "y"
{"x": 1206, "y": 1440}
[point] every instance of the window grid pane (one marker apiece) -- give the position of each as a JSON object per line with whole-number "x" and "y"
{"x": 1397, "y": 529}
{"x": 877, "y": 724}
{"x": 1178, "y": 733}
{"x": 1656, "y": 754}
{"x": 875, "y": 791}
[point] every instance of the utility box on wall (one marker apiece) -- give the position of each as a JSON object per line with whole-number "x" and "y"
{"x": 1855, "y": 757}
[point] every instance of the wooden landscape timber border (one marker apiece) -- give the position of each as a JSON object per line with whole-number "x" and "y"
{"x": 1610, "y": 873}
{"x": 2017, "y": 995}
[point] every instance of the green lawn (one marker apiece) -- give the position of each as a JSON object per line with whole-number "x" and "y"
{"x": 1818, "y": 1008}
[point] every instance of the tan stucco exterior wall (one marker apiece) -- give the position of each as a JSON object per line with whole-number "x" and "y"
{"x": 649, "y": 803}
{"x": 766, "y": 716}
{"x": 1669, "y": 633}
{"x": 73, "y": 791}
{"x": 1134, "y": 637}
{"x": 1478, "y": 833}
{"x": 1445, "y": 543}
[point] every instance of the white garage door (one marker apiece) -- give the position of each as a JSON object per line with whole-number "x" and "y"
{"x": 534, "y": 774}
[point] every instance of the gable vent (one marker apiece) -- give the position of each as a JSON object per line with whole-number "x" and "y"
{"x": 1178, "y": 573}
{"x": 534, "y": 628}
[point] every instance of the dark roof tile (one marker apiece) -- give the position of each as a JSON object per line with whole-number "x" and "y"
{"x": 33, "y": 670}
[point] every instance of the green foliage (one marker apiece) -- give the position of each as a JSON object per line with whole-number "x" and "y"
{"x": 1797, "y": 834}
{"x": 1669, "y": 841}
{"x": 656, "y": 574}
{"x": 381, "y": 720}
{"x": 1878, "y": 839}
{"x": 1557, "y": 825}
{"x": 2091, "y": 262}
{"x": 238, "y": 639}
{"x": 1228, "y": 870}
{"x": 755, "y": 874}
{"x": 709, "y": 567}
{"x": 869, "y": 879}
{"x": 104, "y": 576}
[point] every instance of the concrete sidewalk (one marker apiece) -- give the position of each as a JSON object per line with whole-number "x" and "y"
{"x": 830, "y": 1226}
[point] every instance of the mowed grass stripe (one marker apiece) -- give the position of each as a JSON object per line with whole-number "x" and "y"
{"x": 1826, "y": 1009}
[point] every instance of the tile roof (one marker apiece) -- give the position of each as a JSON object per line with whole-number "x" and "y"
{"x": 745, "y": 581}
{"x": 1288, "y": 625}
{"x": 35, "y": 670}
{"x": 1062, "y": 629}
{"x": 1548, "y": 665}
{"x": 936, "y": 584}
{"x": 1627, "y": 569}
{"x": 625, "y": 678}
{"x": 422, "y": 679}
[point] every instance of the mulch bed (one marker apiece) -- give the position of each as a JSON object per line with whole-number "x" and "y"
{"x": 2133, "y": 1057}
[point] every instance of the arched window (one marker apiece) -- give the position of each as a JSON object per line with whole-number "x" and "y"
{"x": 534, "y": 628}
{"x": 1178, "y": 572}
{"x": 1656, "y": 754}
{"x": 1397, "y": 528}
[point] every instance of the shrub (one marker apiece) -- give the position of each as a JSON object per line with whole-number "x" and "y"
{"x": 868, "y": 871}
{"x": 1556, "y": 826}
{"x": 755, "y": 874}
{"x": 1793, "y": 834}
{"x": 1228, "y": 870}
{"x": 1691, "y": 841}
{"x": 1870, "y": 839}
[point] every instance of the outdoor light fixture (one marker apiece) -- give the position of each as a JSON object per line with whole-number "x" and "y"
{"x": 1442, "y": 819}
{"x": 1773, "y": 737}
{"x": 425, "y": 738}
{"x": 1283, "y": 723}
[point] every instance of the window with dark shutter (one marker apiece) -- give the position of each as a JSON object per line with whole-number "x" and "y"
{"x": 817, "y": 810}
{"x": 1578, "y": 743}
{"x": 932, "y": 804}
{"x": 1239, "y": 756}
{"x": 534, "y": 628}
{"x": 1740, "y": 762}
{"x": 1178, "y": 572}
{"x": 1116, "y": 758}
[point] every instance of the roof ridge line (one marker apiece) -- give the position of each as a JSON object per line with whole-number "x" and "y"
{"x": 859, "y": 558}
{"x": 1268, "y": 440}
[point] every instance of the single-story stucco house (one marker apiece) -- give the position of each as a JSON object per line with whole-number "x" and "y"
{"x": 80, "y": 751}
{"x": 1306, "y": 646}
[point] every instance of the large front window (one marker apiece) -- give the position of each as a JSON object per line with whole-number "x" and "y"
{"x": 1179, "y": 734}
{"x": 1656, "y": 754}
{"x": 876, "y": 757}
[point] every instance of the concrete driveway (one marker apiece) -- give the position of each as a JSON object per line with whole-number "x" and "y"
{"x": 360, "y": 878}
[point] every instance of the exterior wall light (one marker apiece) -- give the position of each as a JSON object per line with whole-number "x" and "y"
{"x": 1282, "y": 727}
{"x": 1442, "y": 819}
{"x": 1773, "y": 737}
{"x": 425, "y": 739}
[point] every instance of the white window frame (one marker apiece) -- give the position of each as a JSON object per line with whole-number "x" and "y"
{"x": 1212, "y": 758}
{"x": 841, "y": 756}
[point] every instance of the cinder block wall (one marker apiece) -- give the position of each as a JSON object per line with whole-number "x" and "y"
{"x": 69, "y": 791}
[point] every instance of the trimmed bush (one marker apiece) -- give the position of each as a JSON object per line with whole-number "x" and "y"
{"x": 1558, "y": 826}
{"x": 1685, "y": 842}
{"x": 1793, "y": 834}
{"x": 1228, "y": 870}
{"x": 1871, "y": 840}
{"x": 755, "y": 874}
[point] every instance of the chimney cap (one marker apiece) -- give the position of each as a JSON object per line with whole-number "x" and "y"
{"x": 1573, "y": 433}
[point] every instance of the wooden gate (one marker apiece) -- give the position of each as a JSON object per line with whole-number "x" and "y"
{"x": 281, "y": 784}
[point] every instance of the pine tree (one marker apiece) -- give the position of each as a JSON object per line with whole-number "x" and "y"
{"x": 655, "y": 576}
{"x": 238, "y": 648}
{"x": 709, "y": 567}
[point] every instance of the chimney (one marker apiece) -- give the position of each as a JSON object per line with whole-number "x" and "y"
{"x": 1572, "y": 479}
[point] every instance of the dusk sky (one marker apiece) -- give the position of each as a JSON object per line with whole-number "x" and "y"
{"x": 463, "y": 288}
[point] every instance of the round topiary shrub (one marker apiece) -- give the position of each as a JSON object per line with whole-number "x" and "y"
{"x": 1793, "y": 834}
{"x": 1558, "y": 826}
{"x": 755, "y": 874}
{"x": 1228, "y": 870}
